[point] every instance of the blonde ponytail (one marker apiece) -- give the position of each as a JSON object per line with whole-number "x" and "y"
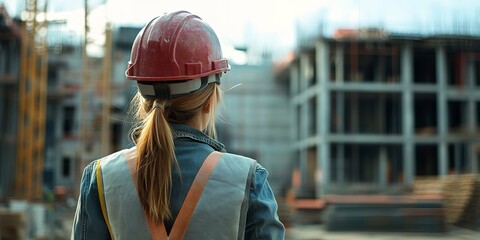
{"x": 155, "y": 148}
{"x": 155, "y": 159}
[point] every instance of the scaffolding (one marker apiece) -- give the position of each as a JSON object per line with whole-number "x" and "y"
{"x": 32, "y": 107}
{"x": 95, "y": 84}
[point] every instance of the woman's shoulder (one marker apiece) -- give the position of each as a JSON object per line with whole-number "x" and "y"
{"x": 236, "y": 157}
{"x": 89, "y": 171}
{"x": 256, "y": 169}
{"x": 232, "y": 156}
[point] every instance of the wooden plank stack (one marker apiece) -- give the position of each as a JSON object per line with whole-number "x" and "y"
{"x": 462, "y": 197}
{"x": 13, "y": 225}
{"x": 385, "y": 213}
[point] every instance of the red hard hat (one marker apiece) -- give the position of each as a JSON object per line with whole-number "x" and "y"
{"x": 173, "y": 47}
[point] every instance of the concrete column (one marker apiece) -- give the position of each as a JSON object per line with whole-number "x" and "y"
{"x": 471, "y": 117}
{"x": 3, "y": 98}
{"x": 457, "y": 160}
{"x": 408, "y": 113}
{"x": 294, "y": 81}
{"x": 306, "y": 175}
{"x": 382, "y": 168}
{"x": 3, "y": 170}
{"x": 442, "y": 111}
{"x": 304, "y": 71}
{"x": 323, "y": 118}
{"x": 340, "y": 109}
{"x": 339, "y": 63}
{"x": 305, "y": 185}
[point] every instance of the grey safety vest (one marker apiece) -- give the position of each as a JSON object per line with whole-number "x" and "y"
{"x": 216, "y": 211}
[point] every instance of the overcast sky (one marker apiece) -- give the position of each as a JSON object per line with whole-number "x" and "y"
{"x": 271, "y": 24}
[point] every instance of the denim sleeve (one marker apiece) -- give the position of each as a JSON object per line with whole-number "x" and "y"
{"x": 89, "y": 222}
{"x": 262, "y": 218}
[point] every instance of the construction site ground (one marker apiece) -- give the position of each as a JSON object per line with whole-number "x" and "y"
{"x": 317, "y": 232}
{"x": 309, "y": 231}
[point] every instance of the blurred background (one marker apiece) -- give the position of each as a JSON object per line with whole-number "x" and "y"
{"x": 366, "y": 113}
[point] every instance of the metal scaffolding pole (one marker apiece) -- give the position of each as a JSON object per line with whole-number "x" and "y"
{"x": 106, "y": 82}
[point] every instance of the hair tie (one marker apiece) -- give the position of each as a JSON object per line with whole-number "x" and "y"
{"x": 158, "y": 105}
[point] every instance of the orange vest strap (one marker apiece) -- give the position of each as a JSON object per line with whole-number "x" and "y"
{"x": 189, "y": 204}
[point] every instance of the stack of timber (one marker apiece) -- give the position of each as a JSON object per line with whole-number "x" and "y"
{"x": 462, "y": 194}
{"x": 462, "y": 197}
{"x": 13, "y": 225}
{"x": 401, "y": 213}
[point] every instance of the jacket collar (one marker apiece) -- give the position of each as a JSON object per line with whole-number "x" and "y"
{"x": 185, "y": 131}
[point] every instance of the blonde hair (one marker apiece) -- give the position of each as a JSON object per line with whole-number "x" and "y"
{"x": 152, "y": 135}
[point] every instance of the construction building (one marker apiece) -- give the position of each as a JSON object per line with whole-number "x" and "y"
{"x": 371, "y": 112}
{"x": 252, "y": 119}
{"x": 69, "y": 147}
{"x": 57, "y": 113}
{"x": 10, "y": 47}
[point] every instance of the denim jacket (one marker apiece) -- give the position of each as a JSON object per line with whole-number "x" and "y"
{"x": 191, "y": 145}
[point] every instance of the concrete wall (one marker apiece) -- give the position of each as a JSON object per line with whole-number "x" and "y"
{"x": 256, "y": 119}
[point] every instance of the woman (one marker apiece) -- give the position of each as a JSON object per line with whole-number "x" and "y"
{"x": 177, "y": 181}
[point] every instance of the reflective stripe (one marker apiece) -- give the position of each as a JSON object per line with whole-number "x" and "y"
{"x": 100, "y": 194}
{"x": 148, "y": 90}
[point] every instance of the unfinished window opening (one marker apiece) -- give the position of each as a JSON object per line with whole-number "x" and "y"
{"x": 50, "y": 123}
{"x": 457, "y": 158}
{"x": 426, "y": 161}
{"x": 336, "y": 119}
{"x": 372, "y": 113}
{"x": 456, "y": 68}
{"x": 310, "y": 70}
{"x": 53, "y": 75}
{"x": 296, "y": 180}
{"x": 298, "y": 111}
{"x": 368, "y": 120}
{"x": 361, "y": 163}
{"x": 395, "y": 169}
{"x": 335, "y": 164}
{"x": 312, "y": 171}
{"x": 424, "y": 66}
{"x": 371, "y": 62}
{"x": 313, "y": 74}
{"x": 68, "y": 121}
{"x": 66, "y": 167}
{"x": 312, "y": 118}
{"x": 3, "y": 59}
{"x": 476, "y": 70}
{"x": 9, "y": 59}
{"x": 116, "y": 136}
{"x": 425, "y": 112}
{"x": 457, "y": 117}
{"x": 351, "y": 112}
{"x": 368, "y": 163}
{"x": 477, "y": 118}
{"x": 332, "y": 59}
{"x": 392, "y": 114}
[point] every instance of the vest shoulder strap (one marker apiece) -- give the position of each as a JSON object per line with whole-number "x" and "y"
{"x": 189, "y": 204}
